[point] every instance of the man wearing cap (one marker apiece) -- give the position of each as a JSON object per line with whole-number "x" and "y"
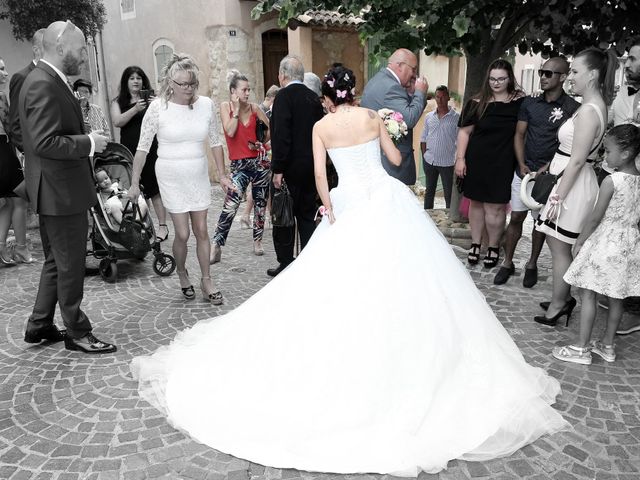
{"x": 93, "y": 116}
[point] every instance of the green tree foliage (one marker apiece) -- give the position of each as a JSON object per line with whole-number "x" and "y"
{"x": 27, "y": 16}
{"x": 481, "y": 29}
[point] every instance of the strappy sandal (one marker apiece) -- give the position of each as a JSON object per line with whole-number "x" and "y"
{"x": 474, "y": 254}
{"x": 5, "y": 257}
{"x": 215, "y": 298}
{"x": 189, "y": 292}
{"x": 162, "y": 239}
{"x": 490, "y": 261}
{"x": 21, "y": 254}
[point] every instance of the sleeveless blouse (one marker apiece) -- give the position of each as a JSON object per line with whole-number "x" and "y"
{"x": 238, "y": 145}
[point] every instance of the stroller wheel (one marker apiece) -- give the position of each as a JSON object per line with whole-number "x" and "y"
{"x": 108, "y": 270}
{"x": 164, "y": 264}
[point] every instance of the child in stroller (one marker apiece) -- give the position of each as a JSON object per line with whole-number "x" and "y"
{"x": 114, "y": 198}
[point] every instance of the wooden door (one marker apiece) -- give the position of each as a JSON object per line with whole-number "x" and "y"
{"x": 274, "y": 48}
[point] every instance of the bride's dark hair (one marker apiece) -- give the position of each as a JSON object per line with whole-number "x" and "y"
{"x": 339, "y": 85}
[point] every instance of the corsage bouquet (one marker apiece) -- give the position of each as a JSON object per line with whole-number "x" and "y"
{"x": 394, "y": 121}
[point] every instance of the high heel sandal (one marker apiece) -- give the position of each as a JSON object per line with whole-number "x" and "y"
{"x": 22, "y": 257}
{"x": 551, "y": 321}
{"x": 4, "y": 255}
{"x": 258, "y": 250}
{"x": 187, "y": 292}
{"x": 216, "y": 254}
{"x": 474, "y": 254}
{"x": 545, "y": 305}
{"x": 162, "y": 239}
{"x": 215, "y": 298}
{"x": 490, "y": 261}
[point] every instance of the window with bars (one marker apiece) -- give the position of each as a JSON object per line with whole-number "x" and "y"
{"x": 127, "y": 9}
{"x": 162, "y": 53}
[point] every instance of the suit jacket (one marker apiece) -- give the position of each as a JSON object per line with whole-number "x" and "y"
{"x": 15, "y": 84}
{"x": 384, "y": 91}
{"x": 57, "y": 168}
{"x": 295, "y": 111}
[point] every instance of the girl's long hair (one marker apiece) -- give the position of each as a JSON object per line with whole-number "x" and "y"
{"x": 124, "y": 95}
{"x": 485, "y": 95}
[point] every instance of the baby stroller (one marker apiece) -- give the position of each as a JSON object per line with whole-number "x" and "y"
{"x": 135, "y": 236}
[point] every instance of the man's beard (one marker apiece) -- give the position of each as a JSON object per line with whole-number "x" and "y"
{"x": 633, "y": 78}
{"x": 71, "y": 65}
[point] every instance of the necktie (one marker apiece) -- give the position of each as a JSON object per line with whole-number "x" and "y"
{"x": 631, "y": 90}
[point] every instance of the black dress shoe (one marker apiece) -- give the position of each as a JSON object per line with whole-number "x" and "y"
{"x": 530, "y": 277}
{"x": 88, "y": 344}
{"x": 50, "y": 334}
{"x": 273, "y": 272}
{"x": 503, "y": 275}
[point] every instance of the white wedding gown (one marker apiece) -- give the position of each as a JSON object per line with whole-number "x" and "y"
{"x": 372, "y": 352}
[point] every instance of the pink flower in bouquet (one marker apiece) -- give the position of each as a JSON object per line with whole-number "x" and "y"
{"x": 397, "y": 116}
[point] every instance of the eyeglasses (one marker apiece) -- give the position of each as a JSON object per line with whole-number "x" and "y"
{"x": 69, "y": 26}
{"x": 548, "y": 73}
{"x": 413, "y": 69}
{"x": 498, "y": 80}
{"x": 185, "y": 85}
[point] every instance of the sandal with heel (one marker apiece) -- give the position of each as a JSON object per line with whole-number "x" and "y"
{"x": 21, "y": 257}
{"x": 160, "y": 239}
{"x": 214, "y": 297}
{"x": 490, "y": 261}
{"x": 474, "y": 254}
{"x": 189, "y": 292}
{"x": 5, "y": 257}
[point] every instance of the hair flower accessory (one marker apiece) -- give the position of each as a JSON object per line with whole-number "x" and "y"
{"x": 341, "y": 93}
{"x": 394, "y": 123}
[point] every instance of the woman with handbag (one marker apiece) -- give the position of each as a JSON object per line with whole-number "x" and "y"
{"x": 13, "y": 209}
{"x": 574, "y": 194}
{"x": 242, "y": 121}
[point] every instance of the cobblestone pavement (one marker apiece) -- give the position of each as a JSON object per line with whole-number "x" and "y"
{"x": 69, "y": 416}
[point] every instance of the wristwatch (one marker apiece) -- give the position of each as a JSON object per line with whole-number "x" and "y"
{"x": 235, "y": 115}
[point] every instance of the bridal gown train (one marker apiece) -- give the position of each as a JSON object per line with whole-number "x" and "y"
{"x": 372, "y": 352}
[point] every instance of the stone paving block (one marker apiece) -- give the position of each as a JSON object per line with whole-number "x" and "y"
{"x": 477, "y": 469}
{"x": 575, "y": 452}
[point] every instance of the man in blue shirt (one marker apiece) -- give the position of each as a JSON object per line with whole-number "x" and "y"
{"x": 535, "y": 143}
{"x": 438, "y": 145}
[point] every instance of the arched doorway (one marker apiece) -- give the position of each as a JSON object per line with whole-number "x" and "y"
{"x": 274, "y": 48}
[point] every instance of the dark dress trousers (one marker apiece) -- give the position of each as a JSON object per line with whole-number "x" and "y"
{"x": 60, "y": 187}
{"x": 295, "y": 111}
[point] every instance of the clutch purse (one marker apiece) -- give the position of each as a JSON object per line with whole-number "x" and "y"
{"x": 261, "y": 130}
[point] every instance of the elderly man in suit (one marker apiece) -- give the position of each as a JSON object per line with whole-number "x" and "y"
{"x": 59, "y": 182}
{"x": 296, "y": 109}
{"x": 388, "y": 89}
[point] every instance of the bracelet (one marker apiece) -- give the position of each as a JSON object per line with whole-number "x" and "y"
{"x": 555, "y": 199}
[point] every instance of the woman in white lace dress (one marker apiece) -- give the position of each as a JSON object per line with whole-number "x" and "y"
{"x": 182, "y": 121}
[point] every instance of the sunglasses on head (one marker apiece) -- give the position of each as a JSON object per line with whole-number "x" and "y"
{"x": 548, "y": 73}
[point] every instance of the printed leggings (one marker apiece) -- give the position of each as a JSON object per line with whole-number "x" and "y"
{"x": 247, "y": 171}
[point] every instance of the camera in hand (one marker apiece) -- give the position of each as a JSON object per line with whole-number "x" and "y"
{"x": 146, "y": 94}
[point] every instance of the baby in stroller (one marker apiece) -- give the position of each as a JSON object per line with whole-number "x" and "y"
{"x": 114, "y": 198}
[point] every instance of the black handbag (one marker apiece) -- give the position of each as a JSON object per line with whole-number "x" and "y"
{"x": 261, "y": 130}
{"x": 543, "y": 184}
{"x": 282, "y": 207}
{"x": 133, "y": 235}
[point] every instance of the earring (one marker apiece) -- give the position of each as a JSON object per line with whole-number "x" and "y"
{"x": 170, "y": 91}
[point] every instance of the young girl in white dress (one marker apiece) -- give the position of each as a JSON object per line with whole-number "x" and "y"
{"x": 607, "y": 252}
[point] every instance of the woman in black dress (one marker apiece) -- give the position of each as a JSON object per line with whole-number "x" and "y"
{"x": 485, "y": 157}
{"x": 13, "y": 209}
{"x": 127, "y": 112}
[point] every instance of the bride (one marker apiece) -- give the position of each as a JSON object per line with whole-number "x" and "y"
{"x": 336, "y": 365}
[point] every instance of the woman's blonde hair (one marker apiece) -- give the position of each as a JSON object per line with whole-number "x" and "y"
{"x": 233, "y": 77}
{"x": 178, "y": 62}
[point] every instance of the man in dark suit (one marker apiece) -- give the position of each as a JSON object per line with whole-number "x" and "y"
{"x": 295, "y": 111}
{"x": 59, "y": 182}
{"x": 15, "y": 85}
{"x": 388, "y": 89}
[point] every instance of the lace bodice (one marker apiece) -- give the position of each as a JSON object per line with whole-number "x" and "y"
{"x": 180, "y": 130}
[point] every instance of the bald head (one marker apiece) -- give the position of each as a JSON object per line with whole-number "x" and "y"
{"x": 404, "y": 64}
{"x": 64, "y": 46}
{"x": 557, "y": 64}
